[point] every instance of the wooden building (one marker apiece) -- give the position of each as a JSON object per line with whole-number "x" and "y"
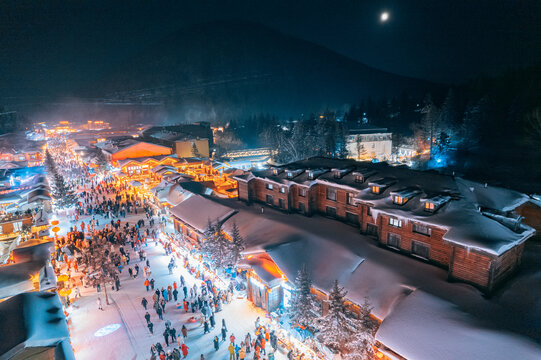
{"x": 469, "y": 228}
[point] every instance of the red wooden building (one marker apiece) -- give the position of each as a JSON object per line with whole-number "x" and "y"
{"x": 469, "y": 228}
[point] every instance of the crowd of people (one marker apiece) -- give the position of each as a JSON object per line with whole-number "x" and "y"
{"x": 100, "y": 233}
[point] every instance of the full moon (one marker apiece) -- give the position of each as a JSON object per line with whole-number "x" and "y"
{"x": 384, "y": 16}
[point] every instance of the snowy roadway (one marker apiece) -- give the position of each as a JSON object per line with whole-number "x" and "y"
{"x": 130, "y": 338}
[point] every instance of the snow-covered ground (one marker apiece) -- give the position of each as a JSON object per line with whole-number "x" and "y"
{"x": 132, "y": 339}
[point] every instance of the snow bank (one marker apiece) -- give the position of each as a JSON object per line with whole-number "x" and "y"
{"x": 424, "y": 327}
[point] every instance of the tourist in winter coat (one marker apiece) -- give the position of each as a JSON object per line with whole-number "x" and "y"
{"x": 144, "y": 302}
{"x": 216, "y": 343}
{"x": 224, "y": 332}
{"x": 231, "y": 349}
{"x": 184, "y": 331}
{"x": 150, "y": 327}
{"x": 147, "y": 317}
{"x": 206, "y": 325}
{"x": 166, "y": 337}
{"x": 184, "y": 349}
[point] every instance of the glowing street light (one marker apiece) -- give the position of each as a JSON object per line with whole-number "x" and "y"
{"x": 384, "y": 16}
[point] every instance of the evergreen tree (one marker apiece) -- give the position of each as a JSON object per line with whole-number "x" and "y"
{"x": 63, "y": 194}
{"x": 340, "y": 331}
{"x": 216, "y": 246}
{"x": 303, "y": 308}
{"x": 50, "y": 164}
{"x": 195, "y": 151}
{"x": 236, "y": 246}
{"x": 99, "y": 267}
{"x": 101, "y": 161}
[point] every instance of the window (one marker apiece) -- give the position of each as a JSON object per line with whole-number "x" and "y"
{"x": 281, "y": 203}
{"x": 17, "y": 226}
{"x": 275, "y": 171}
{"x": 421, "y": 229}
{"x": 269, "y": 186}
{"x": 289, "y": 174}
{"x": 302, "y": 192}
{"x": 331, "y": 194}
{"x": 375, "y": 189}
{"x": 330, "y": 211}
{"x": 420, "y": 249}
{"x": 352, "y": 218}
{"x": 33, "y": 156}
{"x": 429, "y": 206}
{"x": 393, "y": 240}
{"x": 21, "y": 157}
{"x": 351, "y": 198}
{"x": 358, "y": 178}
{"x": 270, "y": 199}
{"x": 369, "y": 211}
{"x": 337, "y": 174}
{"x": 311, "y": 175}
{"x": 399, "y": 200}
{"x": 395, "y": 222}
{"x": 283, "y": 190}
{"x": 1, "y": 229}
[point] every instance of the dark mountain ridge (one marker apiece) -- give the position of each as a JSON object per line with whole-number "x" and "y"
{"x": 235, "y": 68}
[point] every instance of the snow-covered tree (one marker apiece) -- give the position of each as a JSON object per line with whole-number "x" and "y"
{"x": 62, "y": 192}
{"x": 303, "y": 308}
{"x": 99, "y": 267}
{"x": 101, "y": 161}
{"x": 236, "y": 246}
{"x": 342, "y": 332}
{"x": 195, "y": 151}
{"x": 50, "y": 164}
{"x": 216, "y": 246}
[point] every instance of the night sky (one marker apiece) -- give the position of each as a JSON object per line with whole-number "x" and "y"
{"x": 54, "y": 44}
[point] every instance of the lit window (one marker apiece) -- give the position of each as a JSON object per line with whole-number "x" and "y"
{"x": 429, "y": 206}
{"x": 375, "y": 189}
{"x": 358, "y": 179}
{"x": 283, "y": 190}
{"x": 302, "y": 192}
{"x": 395, "y": 222}
{"x": 421, "y": 229}
{"x": 311, "y": 175}
{"x": 350, "y": 198}
{"x": 269, "y": 186}
{"x": 399, "y": 200}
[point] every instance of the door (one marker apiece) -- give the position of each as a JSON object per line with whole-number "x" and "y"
{"x": 302, "y": 208}
{"x": 270, "y": 200}
{"x": 281, "y": 203}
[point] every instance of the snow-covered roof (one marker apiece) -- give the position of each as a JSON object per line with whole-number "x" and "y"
{"x": 196, "y": 210}
{"x": 461, "y": 216}
{"x": 32, "y": 320}
{"x": 327, "y": 261}
{"x": 424, "y": 327}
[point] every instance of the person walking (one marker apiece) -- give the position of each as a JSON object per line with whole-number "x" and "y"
{"x": 99, "y": 303}
{"x": 206, "y": 325}
{"x": 150, "y": 327}
{"x": 231, "y": 349}
{"x": 184, "y": 331}
{"x": 212, "y": 321}
{"x": 147, "y": 284}
{"x": 232, "y": 338}
{"x": 242, "y": 353}
{"x": 173, "y": 334}
{"x": 216, "y": 343}
{"x": 147, "y": 317}
{"x": 224, "y": 332}
{"x": 144, "y": 302}
{"x": 175, "y": 294}
{"x": 184, "y": 349}
{"x": 159, "y": 312}
{"x": 166, "y": 337}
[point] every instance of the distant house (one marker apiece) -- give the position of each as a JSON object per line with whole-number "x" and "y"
{"x": 369, "y": 143}
{"x": 466, "y": 227}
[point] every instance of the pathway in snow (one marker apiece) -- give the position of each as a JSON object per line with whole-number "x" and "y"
{"x": 132, "y": 340}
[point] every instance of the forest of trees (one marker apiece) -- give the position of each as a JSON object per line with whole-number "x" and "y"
{"x": 486, "y": 129}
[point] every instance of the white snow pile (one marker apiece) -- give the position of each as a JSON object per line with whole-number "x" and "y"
{"x": 424, "y": 327}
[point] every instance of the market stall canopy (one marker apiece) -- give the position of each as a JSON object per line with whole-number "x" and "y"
{"x": 438, "y": 330}
{"x": 34, "y": 249}
{"x": 264, "y": 267}
{"x": 34, "y": 326}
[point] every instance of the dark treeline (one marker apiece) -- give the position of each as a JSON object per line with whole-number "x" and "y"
{"x": 488, "y": 129}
